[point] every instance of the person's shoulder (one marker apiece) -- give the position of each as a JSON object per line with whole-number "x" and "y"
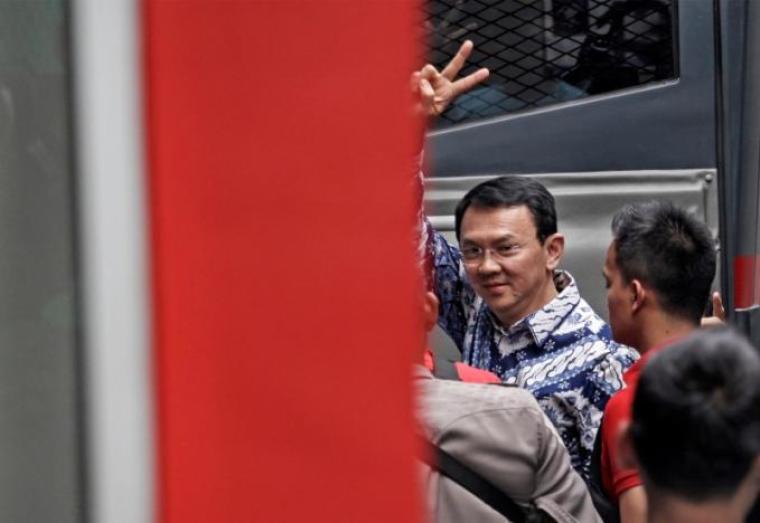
{"x": 449, "y": 399}
{"x": 618, "y": 405}
{"x": 581, "y": 318}
{"x": 485, "y": 414}
{"x": 587, "y": 315}
{"x": 617, "y": 357}
{"x": 616, "y": 413}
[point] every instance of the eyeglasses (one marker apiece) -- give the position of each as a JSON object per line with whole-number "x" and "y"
{"x": 474, "y": 255}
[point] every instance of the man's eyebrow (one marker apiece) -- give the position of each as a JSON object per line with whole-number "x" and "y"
{"x": 506, "y": 237}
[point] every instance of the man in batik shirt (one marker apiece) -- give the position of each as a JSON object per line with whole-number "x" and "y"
{"x": 505, "y": 303}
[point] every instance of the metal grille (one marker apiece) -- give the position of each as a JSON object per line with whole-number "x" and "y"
{"x": 542, "y": 52}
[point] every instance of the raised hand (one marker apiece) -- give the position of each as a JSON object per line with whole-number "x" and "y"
{"x": 436, "y": 90}
{"x": 718, "y": 319}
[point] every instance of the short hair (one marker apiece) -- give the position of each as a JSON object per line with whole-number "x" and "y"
{"x": 671, "y": 251}
{"x": 512, "y": 191}
{"x": 696, "y": 415}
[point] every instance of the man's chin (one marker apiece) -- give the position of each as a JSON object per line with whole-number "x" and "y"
{"x": 501, "y": 308}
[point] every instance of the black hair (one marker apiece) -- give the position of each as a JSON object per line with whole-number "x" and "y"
{"x": 512, "y": 191}
{"x": 671, "y": 251}
{"x": 696, "y": 415}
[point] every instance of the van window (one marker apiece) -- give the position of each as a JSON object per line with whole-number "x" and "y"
{"x": 542, "y": 52}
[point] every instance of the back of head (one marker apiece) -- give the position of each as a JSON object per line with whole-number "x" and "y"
{"x": 668, "y": 250}
{"x": 512, "y": 191}
{"x": 696, "y": 416}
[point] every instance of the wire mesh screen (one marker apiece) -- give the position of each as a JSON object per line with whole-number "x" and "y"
{"x": 542, "y": 52}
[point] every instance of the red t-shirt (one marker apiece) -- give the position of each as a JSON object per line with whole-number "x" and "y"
{"x": 616, "y": 479}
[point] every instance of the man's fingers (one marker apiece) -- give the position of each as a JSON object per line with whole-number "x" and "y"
{"x": 414, "y": 81}
{"x": 468, "y": 82}
{"x": 718, "y": 317}
{"x": 426, "y": 90}
{"x": 430, "y": 73}
{"x": 427, "y": 97}
{"x": 455, "y": 65}
{"x": 718, "y": 310}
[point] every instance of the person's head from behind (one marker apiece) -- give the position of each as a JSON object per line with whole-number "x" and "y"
{"x": 661, "y": 261}
{"x": 695, "y": 430}
{"x": 507, "y": 232}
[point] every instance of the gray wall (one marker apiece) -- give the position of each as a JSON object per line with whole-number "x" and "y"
{"x": 40, "y": 465}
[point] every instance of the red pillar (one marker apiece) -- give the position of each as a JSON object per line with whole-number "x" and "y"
{"x": 284, "y": 291}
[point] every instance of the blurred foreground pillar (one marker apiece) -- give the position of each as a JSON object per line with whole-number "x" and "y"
{"x": 283, "y": 283}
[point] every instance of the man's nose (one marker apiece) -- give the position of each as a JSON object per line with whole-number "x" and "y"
{"x": 488, "y": 265}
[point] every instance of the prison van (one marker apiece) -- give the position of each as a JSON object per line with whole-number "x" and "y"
{"x": 609, "y": 102}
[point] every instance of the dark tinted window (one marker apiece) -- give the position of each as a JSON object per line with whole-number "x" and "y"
{"x": 542, "y": 52}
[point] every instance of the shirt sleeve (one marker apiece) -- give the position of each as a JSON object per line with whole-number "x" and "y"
{"x": 450, "y": 285}
{"x": 603, "y": 382}
{"x": 616, "y": 478}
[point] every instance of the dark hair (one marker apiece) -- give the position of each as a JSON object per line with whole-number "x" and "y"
{"x": 669, "y": 250}
{"x": 512, "y": 191}
{"x": 696, "y": 415}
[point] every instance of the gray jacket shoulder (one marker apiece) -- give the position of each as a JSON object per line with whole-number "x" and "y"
{"x": 502, "y": 434}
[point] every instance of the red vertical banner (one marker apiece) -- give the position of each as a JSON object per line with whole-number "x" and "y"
{"x": 284, "y": 288}
{"x": 746, "y": 281}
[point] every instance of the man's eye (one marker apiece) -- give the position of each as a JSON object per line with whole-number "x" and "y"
{"x": 471, "y": 253}
{"x": 504, "y": 250}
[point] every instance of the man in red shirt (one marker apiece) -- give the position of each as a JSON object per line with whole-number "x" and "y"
{"x": 658, "y": 272}
{"x": 695, "y": 430}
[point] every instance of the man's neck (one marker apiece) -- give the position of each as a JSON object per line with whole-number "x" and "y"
{"x": 672, "y": 510}
{"x": 658, "y": 329}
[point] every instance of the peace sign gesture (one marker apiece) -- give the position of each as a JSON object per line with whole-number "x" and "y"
{"x": 436, "y": 90}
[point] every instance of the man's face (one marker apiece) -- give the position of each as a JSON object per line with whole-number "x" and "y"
{"x": 506, "y": 263}
{"x": 618, "y": 300}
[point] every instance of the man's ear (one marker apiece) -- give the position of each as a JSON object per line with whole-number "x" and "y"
{"x": 430, "y": 310}
{"x": 754, "y": 472}
{"x": 750, "y": 485}
{"x": 554, "y": 246}
{"x": 626, "y": 455}
{"x": 638, "y": 295}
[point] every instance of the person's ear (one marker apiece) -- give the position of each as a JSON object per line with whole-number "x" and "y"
{"x": 554, "y": 247}
{"x": 626, "y": 454}
{"x": 754, "y": 472}
{"x": 430, "y": 310}
{"x": 638, "y": 295}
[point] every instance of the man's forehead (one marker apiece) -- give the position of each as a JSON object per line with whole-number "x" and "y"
{"x": 610, "y": 260}
{"x": 497, "y": 223}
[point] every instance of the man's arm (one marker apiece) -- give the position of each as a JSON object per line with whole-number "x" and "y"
{"x": 633, "y": 505}
{"x": 626, "y": 482}
{"x": 434, "y": 91}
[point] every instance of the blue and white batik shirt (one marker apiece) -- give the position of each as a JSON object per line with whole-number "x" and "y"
{"x": 562, "y": 353}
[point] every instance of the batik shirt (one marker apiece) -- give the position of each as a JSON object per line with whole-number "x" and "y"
{"x": 562, "y": 353}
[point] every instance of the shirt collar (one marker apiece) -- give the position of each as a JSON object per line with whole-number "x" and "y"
{"x": 547, "y": 319}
